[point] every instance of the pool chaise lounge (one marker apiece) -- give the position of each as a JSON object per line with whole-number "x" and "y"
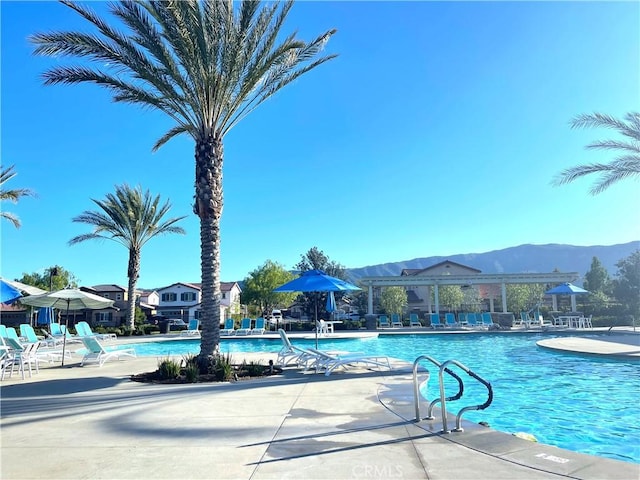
{"x": 329, "y": 362}
{"x": 98, "y": 354}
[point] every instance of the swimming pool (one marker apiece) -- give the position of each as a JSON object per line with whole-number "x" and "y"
{"x": 580, "y": 403}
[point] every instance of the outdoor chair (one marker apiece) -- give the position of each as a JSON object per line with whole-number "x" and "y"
{"x": 229, "y": 327}
{"x": 383, "y": 321}
{"x": 450, "y": 320}
{"x": 259, "y": 328}
{"x": 21, "y": 355}
{"x": 329, "y": 362}
{"x": 245, "y": 327}
{"x": 83, "y": 329}
{"x": 395, "y": 321}
{"x": 290, "y": 354}
{"x": 435, "y": 321}
{"x": 192, "y": 328}
{"x": 414, "y": 321}
{"x": 96, "y": 353}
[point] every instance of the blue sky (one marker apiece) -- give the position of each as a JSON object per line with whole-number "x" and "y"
{"x": 436, "y": 131}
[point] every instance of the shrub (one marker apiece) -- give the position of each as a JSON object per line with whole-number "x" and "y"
{"x": 219, "y": 366}
{"x": 253, "y": 368}
{"x": 168, "y": 369}
{"x": 192, "y": 372}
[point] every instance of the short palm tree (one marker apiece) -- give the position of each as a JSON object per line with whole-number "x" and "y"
{"x": 13, "y": 195}
{"x": 131, "y": 218}
{"x": 207, "y": 64}
{"x": 626, "y": 165}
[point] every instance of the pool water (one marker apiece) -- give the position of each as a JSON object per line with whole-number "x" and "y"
{"x": 580, "y": 403}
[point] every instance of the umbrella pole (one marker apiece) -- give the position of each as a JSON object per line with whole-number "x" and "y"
{"x": 66, "y": 329}
{"x": 316, "y": 315}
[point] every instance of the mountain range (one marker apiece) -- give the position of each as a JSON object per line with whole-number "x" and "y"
{"x": 520, "y": 259}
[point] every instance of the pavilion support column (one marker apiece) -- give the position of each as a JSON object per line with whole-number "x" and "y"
{"x": 429, "y": 304}
{"x": 554, "y": 303}
{"x": 370, "y": 300}
{"x": 436, "y": 295}
{"x": 573, "y": 303}
{"x": 491, "y": 304}
{"x": 504, "y": 297}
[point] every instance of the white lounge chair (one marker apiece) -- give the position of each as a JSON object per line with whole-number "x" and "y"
{"x": 487, "y": 320}
{"x": 98, "y": 354}
{"x": 21, "y": 355}
{"x": 192, "y": 329}
{"x": 290, "y": 354}
{"x": 414, "y": 320}
{"x": 329, "y": 362}
{"x": 383, "y": 321}
{"x": 83, "y": 329}
{"x": 395, "y": 321}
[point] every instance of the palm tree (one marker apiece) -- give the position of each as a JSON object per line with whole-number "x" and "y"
{"x": 626, "y": 165}
{"x": 207, "y": 66}
{"x": 131, "y": 218}
{"x": 14, "y": 195}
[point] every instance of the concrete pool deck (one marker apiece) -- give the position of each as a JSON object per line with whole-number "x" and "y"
{"x": 93, "y": 422}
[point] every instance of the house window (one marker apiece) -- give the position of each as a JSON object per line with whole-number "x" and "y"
{"x": 224, "y": 295}
{"x": 104, "y": 316}
{"x": 188, "y": 296}
{"x": 196, "y": 314}
{"x": 169, "y": 297}
{"x": 118, "y": 296}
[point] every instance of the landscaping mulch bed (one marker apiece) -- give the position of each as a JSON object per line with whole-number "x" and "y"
{"x": 239, "y": 374}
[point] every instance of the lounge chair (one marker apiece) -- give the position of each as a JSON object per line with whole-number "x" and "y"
{"x": 462, "y": 319}
{"x": 259, "y": 328}
{"x": 395, "y": 321}
{"x": 383, "y": 321}
{"x": 12, "y": 333}
{"x": 229, "y": 327}
{"x": 329, "y": 362}
{"x": 435, "y": 321}
{"x": 21, "y": 355}
{"x": 414, "y": 321}
{"x": 28, "y": 333}
{"x": 290, "y": 354}
{"x": 322, "y": 327}
{"x": 192, "y": 329}
{"x": 450, "y": 320}
{"x": 83, "y": 329}
{"x": 472, "y": 320}
{"x": 245, "y": 327}
{"x": 98, "y": 354}
{"x": 487, "y": 321}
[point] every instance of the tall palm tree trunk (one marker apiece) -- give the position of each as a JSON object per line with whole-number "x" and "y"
{"x": 208, "y": 206}
{"x": 133, "y": 272}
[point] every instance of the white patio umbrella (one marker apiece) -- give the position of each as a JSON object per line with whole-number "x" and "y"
{"x": 70, "y": 299}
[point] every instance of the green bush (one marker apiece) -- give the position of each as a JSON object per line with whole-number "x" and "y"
{"x": 253, "y": 368}
{"x": 169, "y": 369}
{"x": 192, "y": 372}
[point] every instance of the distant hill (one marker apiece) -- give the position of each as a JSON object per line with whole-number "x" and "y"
{"x": 520, "y": 259}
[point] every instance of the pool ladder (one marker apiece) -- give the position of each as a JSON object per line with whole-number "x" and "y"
{"x": 443, "y": 368}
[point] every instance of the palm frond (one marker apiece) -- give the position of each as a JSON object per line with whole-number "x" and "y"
{"x": 12, "y": 218}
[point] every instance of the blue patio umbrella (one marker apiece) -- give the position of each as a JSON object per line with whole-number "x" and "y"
{"x": 331, "y": 303}
{"x": 8, "y": 292}
{"x": 316, "y": 281}
{"x": 45, "y": 316}
{"x": 567, "y": 289}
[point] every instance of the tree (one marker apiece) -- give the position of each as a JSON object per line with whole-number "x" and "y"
{"x": 523, "y": 296}
{"x": 450, "y": 296}
{"x": 625, "y": 165}
{"x": 130, "y": 218}
{"x": 260, "y": 283}
{"x": 52, "y": 278}
{"x": 393, "y": 300}
{"x": 626, "y": 284}
{"x": 315, "y": 259}
{"x": 12, "y": 195}
{"x": 597, "y": 278}
{"x": 205, "y": 64}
